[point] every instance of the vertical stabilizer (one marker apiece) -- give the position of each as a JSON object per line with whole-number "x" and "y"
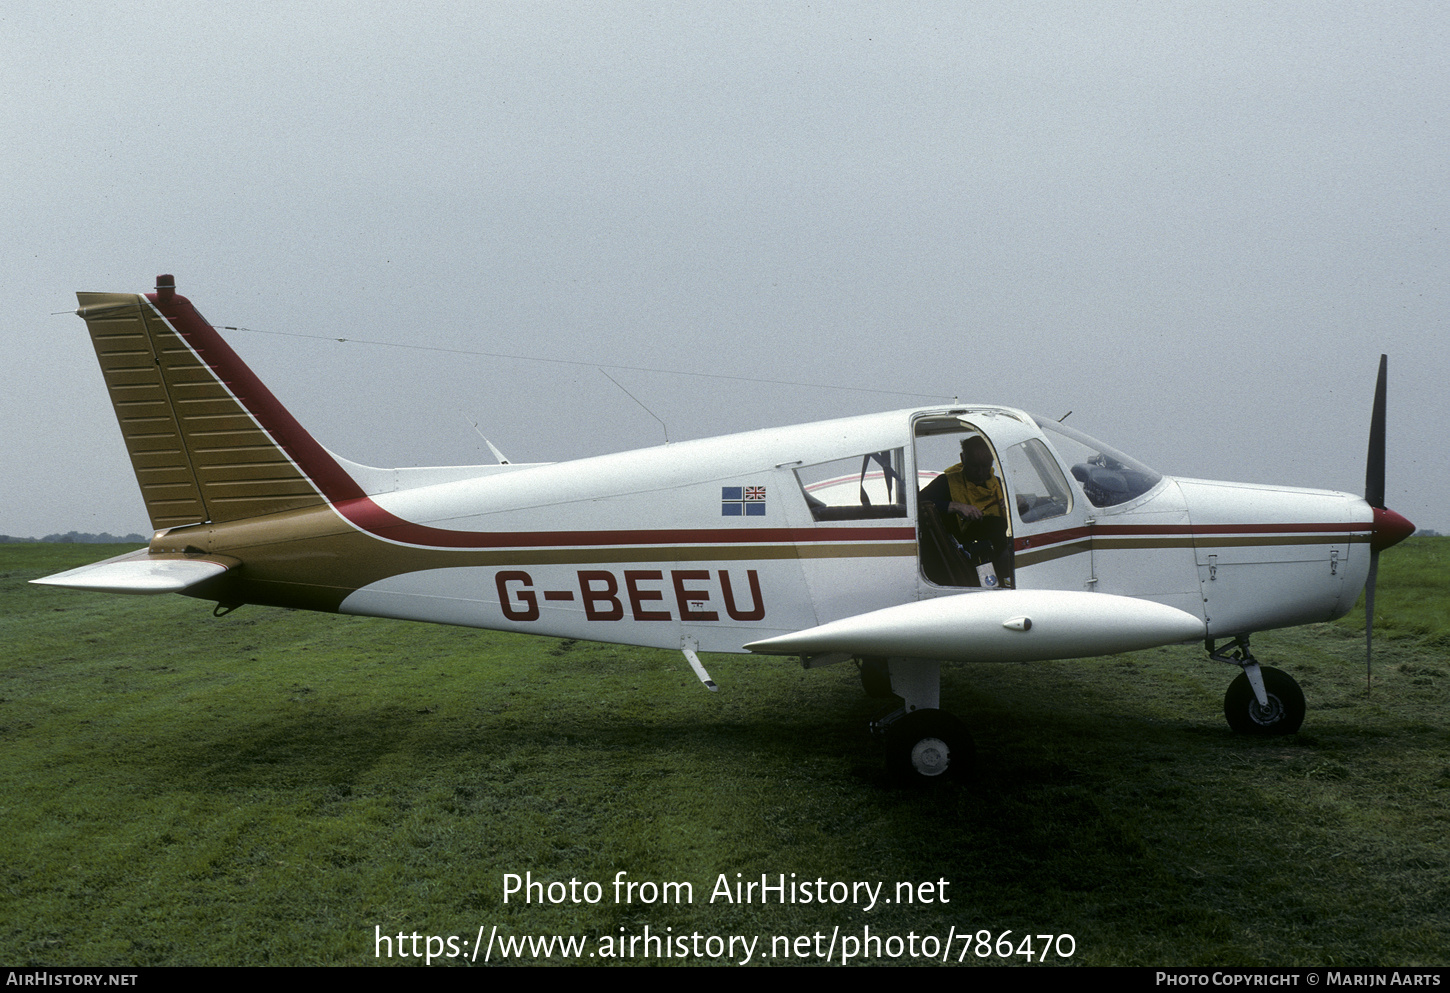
{"x": 201, "y": 451}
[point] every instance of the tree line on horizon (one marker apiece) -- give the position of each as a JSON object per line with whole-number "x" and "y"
{"x": 79, "y": 538}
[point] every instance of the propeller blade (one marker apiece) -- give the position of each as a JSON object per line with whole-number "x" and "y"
{"x": 1374, "y": 568}
{"x": 1374, "y": 462}
{"x": 1374, "y": 495}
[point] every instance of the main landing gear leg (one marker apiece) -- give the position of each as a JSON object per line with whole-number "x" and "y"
{"x": 924, "y": 744}
{"x": 1262, "y": 700}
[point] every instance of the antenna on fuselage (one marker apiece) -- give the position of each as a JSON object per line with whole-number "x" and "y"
{"x": 1064, "y": 417}
{"x": 502, "y": 460}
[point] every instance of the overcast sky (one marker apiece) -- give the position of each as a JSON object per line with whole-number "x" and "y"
{"x": 1196, "y": 226}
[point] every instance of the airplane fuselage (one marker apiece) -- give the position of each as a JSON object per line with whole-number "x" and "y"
{"x": 732, "y": 552}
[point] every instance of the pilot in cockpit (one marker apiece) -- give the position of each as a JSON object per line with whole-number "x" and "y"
{"x": 969, "y": 500}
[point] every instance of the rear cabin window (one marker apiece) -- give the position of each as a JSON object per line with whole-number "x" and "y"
{"x": 860, "y": 487}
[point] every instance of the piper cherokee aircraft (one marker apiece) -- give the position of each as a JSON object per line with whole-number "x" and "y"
{"x": 821, "y": 541}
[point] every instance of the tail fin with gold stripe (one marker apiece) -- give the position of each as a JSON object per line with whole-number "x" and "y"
{"x": 208, "y": 441}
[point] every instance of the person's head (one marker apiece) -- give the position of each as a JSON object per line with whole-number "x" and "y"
{"x": 976, "y": 459}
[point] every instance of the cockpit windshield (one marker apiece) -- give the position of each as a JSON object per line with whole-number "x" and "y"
{"x": 1108, "y": 477}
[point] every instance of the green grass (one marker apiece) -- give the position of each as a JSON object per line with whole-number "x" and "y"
{"x": 1414, "y": 576}
{"x": 267, "y": 787}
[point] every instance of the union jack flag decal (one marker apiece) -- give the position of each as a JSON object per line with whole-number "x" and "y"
{"x": 742, "y": 501}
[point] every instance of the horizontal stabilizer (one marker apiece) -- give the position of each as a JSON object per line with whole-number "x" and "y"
{"x": 140, "y": 572}
{"x": 998, "y": 626}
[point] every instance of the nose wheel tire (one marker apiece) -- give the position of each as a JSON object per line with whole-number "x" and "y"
{"x": 928, "y": 747}
{"x": 1283, "y": 715}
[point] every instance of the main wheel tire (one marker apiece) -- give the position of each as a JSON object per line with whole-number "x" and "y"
{"x": 1283, "y": 715}
{"x": 927, "y": 747}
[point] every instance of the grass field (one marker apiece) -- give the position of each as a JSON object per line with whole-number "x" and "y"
{"x": 270, "y": 787}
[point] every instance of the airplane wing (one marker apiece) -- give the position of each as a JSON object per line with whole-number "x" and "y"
{"x": 998, "y": 626}
{"x": 142, "y": 572}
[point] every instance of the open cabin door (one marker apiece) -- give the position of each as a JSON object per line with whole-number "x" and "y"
{"x": 1044, "y": 543}
{"x": 964, "y": 524}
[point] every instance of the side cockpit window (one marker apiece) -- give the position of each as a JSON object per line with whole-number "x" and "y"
{"x": 1039, "y": 489}
{"x": 860, "y": 487}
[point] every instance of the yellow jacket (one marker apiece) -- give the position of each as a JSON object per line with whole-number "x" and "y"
{"x": 987, "y": 498}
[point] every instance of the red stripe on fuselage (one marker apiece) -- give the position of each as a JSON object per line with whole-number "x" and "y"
{"x": 1337, "y": 527}
{"x": 372, "y": 518}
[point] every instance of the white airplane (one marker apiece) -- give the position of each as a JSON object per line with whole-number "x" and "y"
{"x": 804, "y": 541}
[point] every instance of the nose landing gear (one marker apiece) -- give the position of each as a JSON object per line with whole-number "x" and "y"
{"x": 1262, "y": 700}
